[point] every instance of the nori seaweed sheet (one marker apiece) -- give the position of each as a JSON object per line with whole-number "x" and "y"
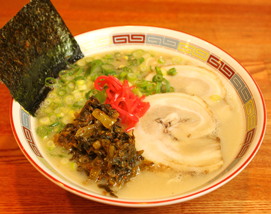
{"x": 35, "y": 44}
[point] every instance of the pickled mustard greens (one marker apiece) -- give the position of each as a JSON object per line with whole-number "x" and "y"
{"x": 100, "y": 147}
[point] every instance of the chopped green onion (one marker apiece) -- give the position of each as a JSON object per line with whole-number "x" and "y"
{"x": 69, "y": 100}
{"x": 134, "y": 62}
{"x": 77, "y": 95}
{"x": 59, "y": 113}
{"x": 55, "y": 106}
{"x": 172, "y": 71}
{"x": 63, "y": 74}
{"x": 110, "y": 72}
{"x": 138, "y": 53}
{"x": 80, "y": 82}
{"x": 127, "y": 69}
{"x": 72, "y": 71}
{"x": 140, "y": 83}
{"x": 87, "y": 72}
{"x": 157, "y": 78}
{"x": 158, "y": 87}
{"x": 48, "y": 110}
{"x": 44, "y": 120}
{"x": 52, "y": 95}
{"x": 64, "y": 109}
{"x": 81, "y": 62}
{"x": 49, "y": 81}
{"x": 143, "y": 68}
{"x": 96, "y": 67}
{"x": 158, "y": 71}
{"x": 53, "y": 118}
{"x": 54, "y": 124}
{"x": 94, "y": 77}
{"x": 108, "y": 58}
{"x": 123, "y": 75}
{"x": 50, "y": 145}
{"x": 107, "y": 67}
{"x": 176, "y": 60}
{"x": 71, "y": 85}
{"x": 61, "y": 92}
{"x": 150, "y": 87}
{"x": 167, "y": 85}
{"x": 161, "y": 61}
{"x": 43, "y": 132}
{"x": 141, "y": 60}
{"x": 82, "y": 87}
{"x": 78, "y": 104}
{"x": 47, "y": 102}
{"x": 79, "y": 78}
{"x": 131, "y": 77}
{"x": 61, "y": 82}
{"x": 79, "y": 72}
{"x": 71, "y": 65}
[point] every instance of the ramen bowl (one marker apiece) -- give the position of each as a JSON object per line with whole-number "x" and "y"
{"x": 219, "y": 61}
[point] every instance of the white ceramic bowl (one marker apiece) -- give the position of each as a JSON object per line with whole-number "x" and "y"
{"x": 246, "y": 87}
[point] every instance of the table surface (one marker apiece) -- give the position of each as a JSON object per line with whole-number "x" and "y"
{"x": 242, "y": 28}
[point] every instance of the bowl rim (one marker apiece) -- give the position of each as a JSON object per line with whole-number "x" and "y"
{"x": 155, "y": 202}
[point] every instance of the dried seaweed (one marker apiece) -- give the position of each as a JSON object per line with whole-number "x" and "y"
{"x": 35, "y": 44}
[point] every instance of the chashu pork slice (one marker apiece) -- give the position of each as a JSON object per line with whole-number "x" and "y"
{"x": 178, "y": 131}
{"x": 194, "y": 80}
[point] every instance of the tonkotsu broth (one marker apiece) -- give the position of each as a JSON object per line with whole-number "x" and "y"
{"x": 147, "y": 184}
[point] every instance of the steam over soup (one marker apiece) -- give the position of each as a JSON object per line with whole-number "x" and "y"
{"x": 191, "y": 132}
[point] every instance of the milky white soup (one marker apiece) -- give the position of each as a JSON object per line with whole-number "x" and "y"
{"x": 193, "y": 79}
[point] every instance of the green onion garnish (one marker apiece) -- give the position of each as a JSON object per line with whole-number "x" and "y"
{"x": 49, "y": 81}
{"x": 131, "y": 77}
{"x": 157, "y": 78}
{"x": 141, "y": 83}
{"x": 172, "y": 71}
{"x": 158, "y": 71}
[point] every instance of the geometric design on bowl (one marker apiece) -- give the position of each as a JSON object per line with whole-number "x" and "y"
{"x": 25, "y": 121}
{"x": 162, "y": 41}
{"x": 29, "y": 139}
{"x": 193, "y": 50}
{"x": 248, "y": 140}
{"x": 128, "y": 38}
{"x": 224, "y": 68}
{"x": 251, "y": 115}
{"x": 241, "y": 88}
